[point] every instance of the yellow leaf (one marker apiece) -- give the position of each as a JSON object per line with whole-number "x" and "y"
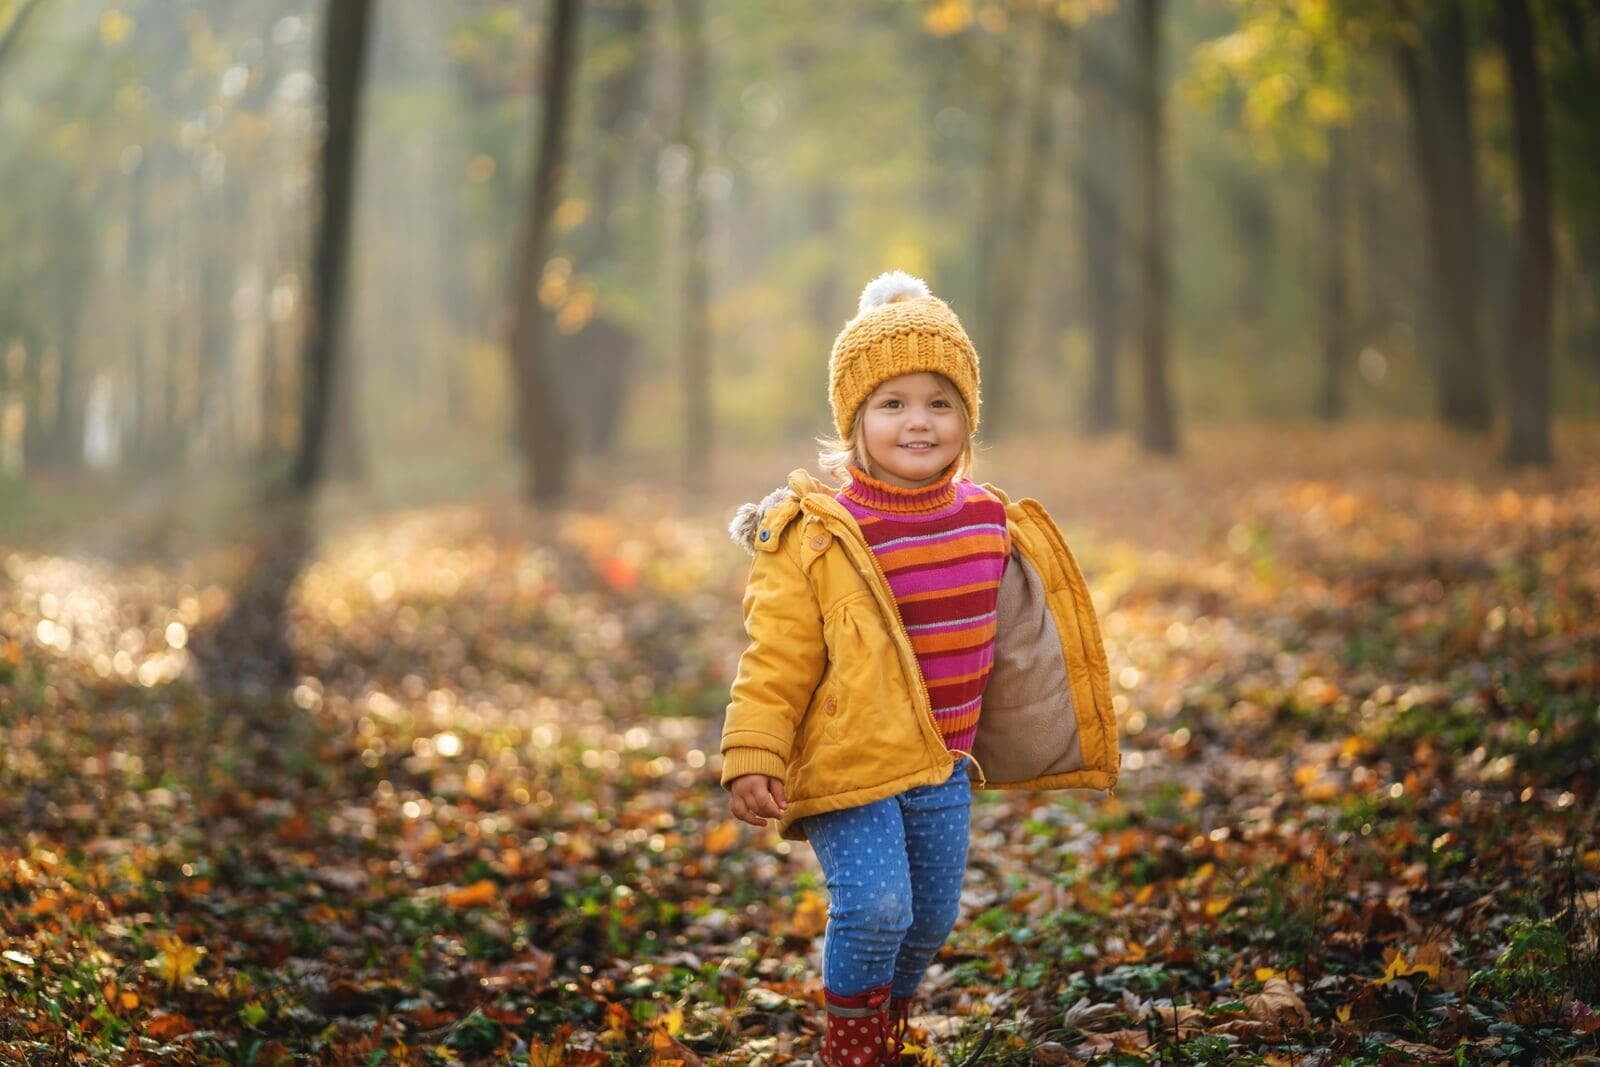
{"x": 1425, "y": 960}
{"x": 947, "y": 17}
{"x": 810, "y": 914}
{"x": 1342, "y": 1013}
{"x": 176, "y": 960}
{"x": 480, "y": 894}
{"x": 1264, "y": 973}
{"x": 1216, "y": 906}
{"x": 671, "y": 1021}
{"x": 1145, "y": 893}
{"x": 115, "y": 27}
{"x": 618, "y": 1023}
{"x": 722, "y": 837}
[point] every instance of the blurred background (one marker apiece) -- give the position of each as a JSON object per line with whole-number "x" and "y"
{"x": 422, "y": 248}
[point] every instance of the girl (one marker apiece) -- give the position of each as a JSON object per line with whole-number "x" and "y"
{"x": 904, "y": 629}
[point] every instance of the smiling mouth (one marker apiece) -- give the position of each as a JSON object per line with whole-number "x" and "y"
{"x": 919, "y": 446}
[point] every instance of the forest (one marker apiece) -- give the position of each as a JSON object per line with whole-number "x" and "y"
{"x": 378, "y": 381}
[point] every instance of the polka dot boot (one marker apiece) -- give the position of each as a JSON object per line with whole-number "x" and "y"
{"x": 857, "y": 1032}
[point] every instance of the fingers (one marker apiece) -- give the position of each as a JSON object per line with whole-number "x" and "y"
{"x": 754, "y": 796}
{"x": 741, "y": 810}
{"x": 770, "y": 801}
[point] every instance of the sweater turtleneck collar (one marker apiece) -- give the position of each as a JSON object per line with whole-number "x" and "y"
{"x": 869, "y": 492}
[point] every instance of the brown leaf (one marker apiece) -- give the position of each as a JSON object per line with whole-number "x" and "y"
{"x": 296, "y": 828}
{"x": 1277, "y": 1004}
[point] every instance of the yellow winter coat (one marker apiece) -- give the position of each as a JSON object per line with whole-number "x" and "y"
{"x": 829, "y": 697}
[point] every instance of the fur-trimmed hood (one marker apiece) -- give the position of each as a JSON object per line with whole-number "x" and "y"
{"x": 747, "y": 520}
{"x": 773, "y": 511}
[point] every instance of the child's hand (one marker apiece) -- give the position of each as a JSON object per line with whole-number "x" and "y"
{"x": 755, "y": 795}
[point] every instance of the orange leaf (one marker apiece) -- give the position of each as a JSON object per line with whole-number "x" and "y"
{"x": 166, "y": 1027}
{"x": 721, "y": 837}
{"x": 480, "y": 894}
{"x": 666, "y": 1051}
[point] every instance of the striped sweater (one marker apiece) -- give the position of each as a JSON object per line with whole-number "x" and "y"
{"x": 943, "y": 548}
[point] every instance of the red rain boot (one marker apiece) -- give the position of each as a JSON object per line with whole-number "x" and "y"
{"x": 896, "y": 1025}
{"x": 857, "y": 1029}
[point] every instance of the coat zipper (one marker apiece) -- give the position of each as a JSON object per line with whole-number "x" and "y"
{"x": 899, "y": 624}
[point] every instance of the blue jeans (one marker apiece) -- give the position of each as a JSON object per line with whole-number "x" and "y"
{"x": 894, "y": 869}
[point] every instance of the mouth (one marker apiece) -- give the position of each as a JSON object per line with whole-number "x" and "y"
{"x": 919, "y": 446}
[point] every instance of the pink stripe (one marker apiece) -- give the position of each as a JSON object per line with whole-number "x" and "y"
{"x": 935, "y": 668}
{"x": 975, "y": 570}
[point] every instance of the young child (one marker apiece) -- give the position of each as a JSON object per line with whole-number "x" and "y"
{"x": 904, "y": 629}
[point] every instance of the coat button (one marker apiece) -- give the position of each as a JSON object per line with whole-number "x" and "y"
{"x": 818, "y": 542}
{"x": 766, "y": 534}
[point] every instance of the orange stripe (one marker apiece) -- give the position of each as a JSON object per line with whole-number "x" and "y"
{"x": 978, "y": 635}
{"x": 930, "y": 594}
{"x": 912, "y": 555}
{"x": 960, "y": 722}
{"x": 959, "y": 679}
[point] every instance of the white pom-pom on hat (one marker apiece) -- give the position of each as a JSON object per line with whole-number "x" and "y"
{"x": 890, "y": 286}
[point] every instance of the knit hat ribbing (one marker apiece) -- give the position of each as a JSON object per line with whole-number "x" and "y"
{"x": 900, "y": 328}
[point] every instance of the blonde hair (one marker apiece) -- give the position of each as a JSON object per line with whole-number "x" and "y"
{"x": 838, "y": 454}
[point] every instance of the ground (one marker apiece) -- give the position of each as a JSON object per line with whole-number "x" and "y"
{"x": 438, "y": 784}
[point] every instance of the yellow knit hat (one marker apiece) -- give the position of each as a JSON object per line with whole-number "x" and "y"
{"x": 899, "y": 328}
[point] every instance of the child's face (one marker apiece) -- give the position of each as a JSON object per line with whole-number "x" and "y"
{"x": 913, "y": 428}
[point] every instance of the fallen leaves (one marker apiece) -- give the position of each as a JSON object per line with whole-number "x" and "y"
{"x": 480, "y": 894}
{"x": 1277, "y": 1005}
{"x": 176, "y": 959}
{"x": 483, "y": 817}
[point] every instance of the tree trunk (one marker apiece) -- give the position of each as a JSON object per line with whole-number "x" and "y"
{"x": 1157, "y": 431}
{"x": 1021, "y": 225}
{"x": 599, "y": 357}
{"x": 992, "y": 241}
{"x": 13, "y": 31}
{"x": 1528, "y": 341}
{"x": 1335, "y": 278}
{"x": 141, "y": 263}
{"x": 1439, "y": 96}
{"x": 344, "y": 56}
{"x": 541, "y": 426}
{"x": 1099, "y": 185}
{"x": 696, "y": 274}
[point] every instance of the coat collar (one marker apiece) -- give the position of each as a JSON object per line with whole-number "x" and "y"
{"x": 757, "y": 526}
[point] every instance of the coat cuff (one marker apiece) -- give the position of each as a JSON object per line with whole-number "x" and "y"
{"x": 741, "y": 761}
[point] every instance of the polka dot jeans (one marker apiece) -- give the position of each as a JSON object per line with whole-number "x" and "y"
{"x": 894, "y": 869}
